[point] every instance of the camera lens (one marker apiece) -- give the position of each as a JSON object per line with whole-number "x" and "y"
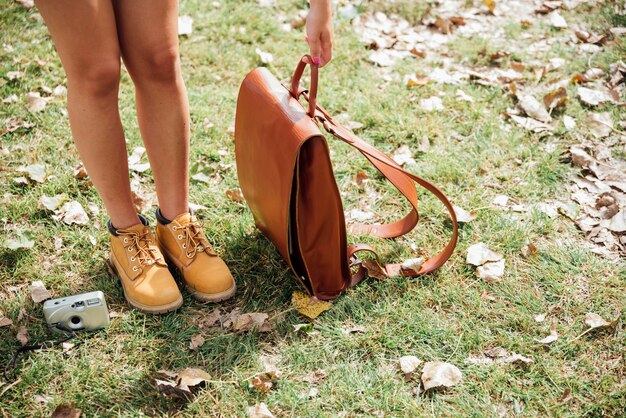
{"x": 75, "y": 320}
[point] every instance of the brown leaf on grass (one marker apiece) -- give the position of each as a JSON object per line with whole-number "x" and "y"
{"x": 263, "y": 382}
{"x": 27, "y": 4}
{"x": 440, "y": 374}
{"x": 557, "y": 21}
{"x": 589, "y": 37}
{"x": 22, "y": 335}
{"x": 374, "y": 269}
{"x": 235, "y": 195}
{"x": 259, "y": 410}
{"x": 518, "y": 66}
{"x": 464, "y": 216}
{"x": 185, "y": 25}
{"x": 533, "y": 108}
{"x": 72, "y": 213}
{"x": 412, "y": 265}
{"x": 196, "y": 341}
{"x": 4, "y": 321}
{"x": 66, "y": 411}
{"x": 596, "y": 322}
{"x": 592, "y": 97}
{"x": 309, "y": 306}
{"x": 361, "y": 178}
{"x": 38, "y": 292}
{"x": 403, "y": 155}
{"x": 184, "y": 382}
{"x": 35, "y": 172}
{"x": 531, "y": 124}
{"x": 192, "y": 377}
{"x": 252, "y": 321}
{"x": 498, "y": 356}
{"x": 479, "y": 254}
{"x": 35, "y": 103}
{"x": 555, "y": 98}
{"x": 172, "y": 390}
{"x": 600, "y": 124}
{"x": 491, "y": 5}
{"x": 416, "y": 80}
{"x": 408, "y": 364}
{"x": 529, "y": 250}
{"x": 550, "y": 338}
{"x": 491, "y": 271}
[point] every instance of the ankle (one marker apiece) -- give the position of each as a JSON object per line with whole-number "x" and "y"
{"x": 113, "y": 228}
{"x": 164, "y": 220}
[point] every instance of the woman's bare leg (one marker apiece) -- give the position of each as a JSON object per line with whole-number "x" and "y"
{"x": 85, "y": 36}
{"x": 148, "y": 36}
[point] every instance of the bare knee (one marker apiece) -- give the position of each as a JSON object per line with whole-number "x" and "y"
{"x": 162, "y": 66}
{"x": 96, "y": 79}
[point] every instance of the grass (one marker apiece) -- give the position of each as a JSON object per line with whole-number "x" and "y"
{"x": 447, "y": 316}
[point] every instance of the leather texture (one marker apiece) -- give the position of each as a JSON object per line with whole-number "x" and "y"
{"x": 146, "y": 280}
{"x": 184, "y": 244}
{"x": 286, "y": 177}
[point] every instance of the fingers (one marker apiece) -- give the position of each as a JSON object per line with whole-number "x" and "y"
{"x": 327, "y": 49}
{"x": 315, "y": 46}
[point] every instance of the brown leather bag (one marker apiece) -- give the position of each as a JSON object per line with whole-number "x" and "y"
{"x": 287, "y": 179}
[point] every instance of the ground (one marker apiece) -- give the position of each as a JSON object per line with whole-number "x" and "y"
{"x": 347, "y": 362}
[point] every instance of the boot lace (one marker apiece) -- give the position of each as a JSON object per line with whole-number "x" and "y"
{"x": 138, "y": 244}
{"x": 195, "y": 240}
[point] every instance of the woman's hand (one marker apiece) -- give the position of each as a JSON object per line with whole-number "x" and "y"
{"x": 319, "y": 31}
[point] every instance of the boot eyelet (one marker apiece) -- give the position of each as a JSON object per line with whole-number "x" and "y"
{"x": 184, "y": 245}
{"x": 125, "y": 240}
{"x": 130, "y": 249}
{"x": 135, "y": 269}
{"x": 180, "y": 237}
{"x": 174, "y": 228}
{"x": 132, "y": 259}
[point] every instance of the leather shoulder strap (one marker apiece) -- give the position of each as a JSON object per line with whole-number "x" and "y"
{"x": 403, "y": 180}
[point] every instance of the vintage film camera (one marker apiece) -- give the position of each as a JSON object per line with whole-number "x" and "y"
{"x": 84, "y": 312}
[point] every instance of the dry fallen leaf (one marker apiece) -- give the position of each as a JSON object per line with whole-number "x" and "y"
{"x": 259, "y": 410}
{"x": 431, "y": 104}
{"x": 412, "y": 265}
{"x": 464, "y": 216}
{"x": 36, "y": 172}
{"x": 600, "y": 124}
{"x": 196, "y": 341}
{"x": 557, "y": 21}
{"x": 264, "y": 381}
{"x": 408, "y": 364}
{"x": 555, "y": 98}
{"x": 192, "y": 377}
{"x": 235, "y": 195}
{"x": 479, "y": 254}
{"x": 416, "y": 80}
{"x": 595, "y": 321}
{"x": 4, "y": 321}
{"x": 38, "y": 292}
{"x": 403, "y": 155}
{"x": 309, "y": 306}
{"x": 21, "y": 239}
{"x": 51, "y": 203}
{"x": 72, "y": 213}
{"x": 66, "y": 411}
{"x": 491, "y": 271}
{"x": 533, "y": 108}
{"x": 439, "y": 374}
{"x": 22, "y": 335}
{"x": 252, "y": 321}
{"x": 374, "y": 269}
{"x": 550, "y": 338}
{"x": 592, "y": 97}
{"x": 35, "y": 103}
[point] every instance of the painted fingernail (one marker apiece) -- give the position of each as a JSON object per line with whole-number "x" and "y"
{"x": 316, "y": 60}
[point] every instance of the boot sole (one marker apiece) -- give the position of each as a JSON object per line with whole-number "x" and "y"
{"x": 162, "y": 309}
{"x": 202, "y": 297}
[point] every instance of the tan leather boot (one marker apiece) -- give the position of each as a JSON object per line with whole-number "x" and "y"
{"x": 136, "y": 259}
{"x": 185, "y": 246}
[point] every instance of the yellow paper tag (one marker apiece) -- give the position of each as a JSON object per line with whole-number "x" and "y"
{"x": 311, "y": 307}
